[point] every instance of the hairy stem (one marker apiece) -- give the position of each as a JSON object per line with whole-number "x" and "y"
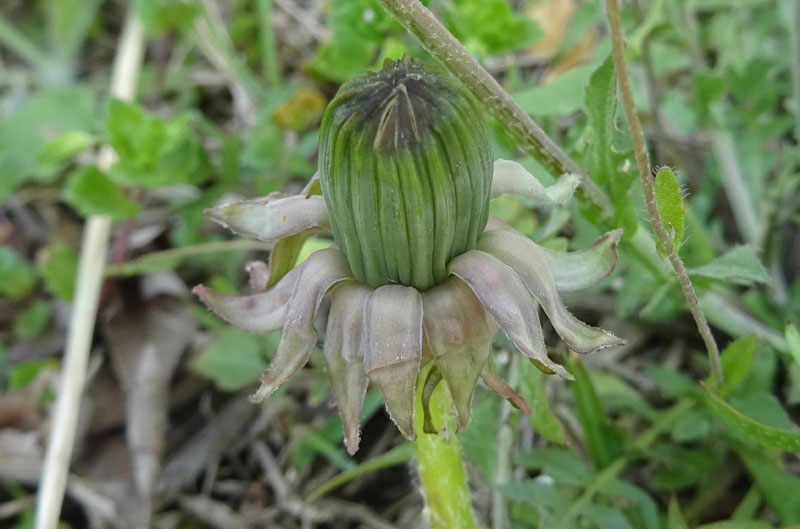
{"x": 643, "y": 161}
{"x": 441, "y": 470}
{"x": 443, "y": 46}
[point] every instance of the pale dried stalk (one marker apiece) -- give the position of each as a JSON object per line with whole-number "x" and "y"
{"x": 643, "y": 161}
{"x": 87, "y": 290}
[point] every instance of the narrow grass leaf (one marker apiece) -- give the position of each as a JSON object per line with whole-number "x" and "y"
{"x": 762, "y": 434}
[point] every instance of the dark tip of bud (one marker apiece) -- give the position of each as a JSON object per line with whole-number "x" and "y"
{"x": 397, "y": 103}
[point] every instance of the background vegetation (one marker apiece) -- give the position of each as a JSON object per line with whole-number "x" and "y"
{"x": 228, "y": 106}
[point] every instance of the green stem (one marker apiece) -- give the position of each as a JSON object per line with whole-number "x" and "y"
{"x": 441, "y": 470}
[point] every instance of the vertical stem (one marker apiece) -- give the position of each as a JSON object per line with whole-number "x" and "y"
{"x": 87, "y": 290}
{"x": 269, "y": 53}
{"x": 443, "y": 46}
{"x": 643, "y": 161}
{"x": 441, "y": 470}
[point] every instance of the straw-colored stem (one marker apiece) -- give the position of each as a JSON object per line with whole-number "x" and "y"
{"x": 87, "y": 290}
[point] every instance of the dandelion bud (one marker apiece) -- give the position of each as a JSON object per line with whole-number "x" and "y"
{"x": 405, "y": 165}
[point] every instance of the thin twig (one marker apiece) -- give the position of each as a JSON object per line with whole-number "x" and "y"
{"x": 87, "y": 289}
{"x": 440, "y": 43}
{"x": 643, "y": 161}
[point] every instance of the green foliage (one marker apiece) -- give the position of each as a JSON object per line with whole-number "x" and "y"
{"x": 602, "y": 439}
{"x": 490, "y": 27}
{"x": 604, "y": 162}
{"x": 768, "y": 436}
{"x": 670, "y": 206}
{"x": 17, "y": 277}
{"x": 91, "y": 192}
{"x": 234, "y": 360}
{"x": 32, "y": 322}
{"x": 23, "y": 373}
{"x": 56, "y": 111}
{"x": 58, "y": 270}
{"x": 562, "y": 95}
{"x": 736, "y": 360}
{"x": 542, "y": 418}
{"x": 160, "y": 16}
{"x": 739, "y": 265}
{"x": 597, "y": 457}
{"x": 153, "y": 152}
{"x": 66, "y": 146}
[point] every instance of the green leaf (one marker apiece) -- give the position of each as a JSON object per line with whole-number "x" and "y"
{"x": 602, "y": 441}
{"x": 17, "y": 277}
{"x": 490, "y": 27}
{"x": 562, "y": 95}
{"x": 479, "y": 441}
{"x": 153, "y": 152}
{"x": 23, "y": 373}
{"x": 693, "y": 425}
{"x": 781, "y": 489}
{"x": 91, "y": 192}
{"x": 670, "y": 206}
{"x": 736, "y": 360}
{"x": 66, "y": 146}
{"x": 739, "y": 265}
{"x": 59, "y": 267}
{"x": 542, "y": 418}
{"x": 54, "y": 111}
{"x": 752, "y": 429}
{"x": 32, "y": 322}
{"x": 233, "y": 361}
{"x": 160, "y": 16}
{"x": 675, "y": 518}
{"x": 601, "y": 110}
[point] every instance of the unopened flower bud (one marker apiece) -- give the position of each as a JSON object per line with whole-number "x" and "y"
{"x": 406, "y": 167}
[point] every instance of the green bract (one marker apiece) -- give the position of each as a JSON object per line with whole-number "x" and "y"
{"x": 420, "y": 273}
{"x": 406, "y": 171}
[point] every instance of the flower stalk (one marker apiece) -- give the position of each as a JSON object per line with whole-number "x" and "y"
{"x": 443, "y": 481}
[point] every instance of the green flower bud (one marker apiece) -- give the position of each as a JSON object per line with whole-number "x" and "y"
{"x": 405, "y": 165}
